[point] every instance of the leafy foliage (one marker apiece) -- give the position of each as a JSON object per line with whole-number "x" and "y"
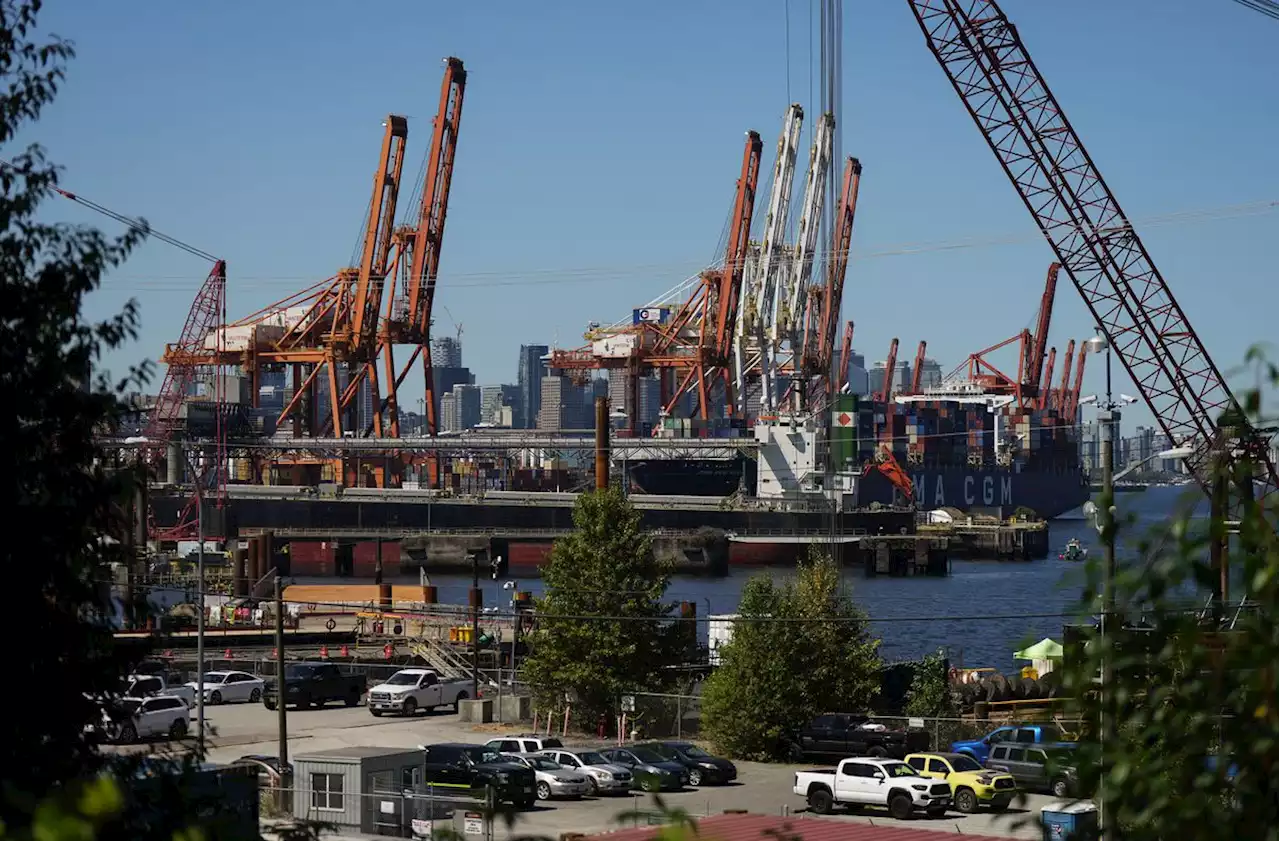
{"x": 813, "y": 654}
{"x": 930, "y": 694}
{"x": 58, "y": 484}
{"x": 1191, "y": 699}
{"x": 604, "y": 569}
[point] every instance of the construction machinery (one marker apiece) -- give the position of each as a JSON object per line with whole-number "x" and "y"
{"x": 991, "y": 71}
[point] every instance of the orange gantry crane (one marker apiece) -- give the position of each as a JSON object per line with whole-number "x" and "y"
{"x": 333, "y": 338}
{"x": 690, "y": 346}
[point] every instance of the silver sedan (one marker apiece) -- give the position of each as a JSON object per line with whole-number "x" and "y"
{"x": 551, "y": 778}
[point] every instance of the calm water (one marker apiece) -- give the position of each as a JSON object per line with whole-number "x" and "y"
{"x": 975, "y": 590}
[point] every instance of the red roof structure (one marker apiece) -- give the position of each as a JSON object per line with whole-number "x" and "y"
{"x": 754, "y": 827}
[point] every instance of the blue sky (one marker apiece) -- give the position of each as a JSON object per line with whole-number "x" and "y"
{"x": 600, "y": 142}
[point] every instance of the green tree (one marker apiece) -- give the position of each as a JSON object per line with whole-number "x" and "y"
{"x": 930, "y": 694}
{"x": 1192, "y": 698}
{"x": 58, "y": 484}
{"x": 798, "y": 649}
{"x": 603, "y": 627}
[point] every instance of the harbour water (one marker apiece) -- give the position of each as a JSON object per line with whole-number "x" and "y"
{"x": 915, "y": 616}
{"x": 980, "y": 614}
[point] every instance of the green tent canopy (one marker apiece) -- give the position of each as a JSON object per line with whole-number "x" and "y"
{"x": 1046, "y": 649}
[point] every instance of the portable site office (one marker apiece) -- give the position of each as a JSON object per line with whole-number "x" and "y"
{"x": 371, "y": 790}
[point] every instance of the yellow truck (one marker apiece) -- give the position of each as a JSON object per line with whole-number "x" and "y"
{"x": 971, "y": 784}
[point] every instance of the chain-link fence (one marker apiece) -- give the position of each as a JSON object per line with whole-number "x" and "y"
{"x": 656, "y": 715}
{"x": 415, "y": 812}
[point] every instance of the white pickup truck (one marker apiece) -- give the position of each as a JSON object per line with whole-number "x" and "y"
{"x": 410, "y": 690}
{"x": 873, "y": 782}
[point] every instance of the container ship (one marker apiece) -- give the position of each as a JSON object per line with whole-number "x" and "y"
{"x": 963, "y": 448}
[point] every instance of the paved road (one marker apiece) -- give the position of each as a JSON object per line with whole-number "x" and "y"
{"x": 250, "y": 728}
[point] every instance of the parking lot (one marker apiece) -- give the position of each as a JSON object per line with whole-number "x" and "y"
{"x": 240, "y": 729}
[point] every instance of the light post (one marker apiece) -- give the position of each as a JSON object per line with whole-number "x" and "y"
{"x": 1108, "y": 419}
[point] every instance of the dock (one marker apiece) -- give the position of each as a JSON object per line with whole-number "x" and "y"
{"x": 988, "y": 539}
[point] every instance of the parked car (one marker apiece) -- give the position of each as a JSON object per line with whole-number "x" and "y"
{"x": 524, "y": 744}
{"x": 703, "y": 768}
{"x": 1037, "y": 767}
{"x": 650, "y": 770}
{"x": 126, "y": 720}
{"x": 873, "y": 782}
{"x": 314, "y": 684}
{"x": 971, "y": 784}
{"x": 410, "y": 690}
{"x": 479, "y": 769}
{"x": 604, "y": 776}
{"x": 551, "y": 779}
{"x": 1029, "y": 734}
{"x": 272, "y": 773}
{"x": 226, "y": 687}
{"x": 145, "y": 686}
{"x": 840, "y": 735}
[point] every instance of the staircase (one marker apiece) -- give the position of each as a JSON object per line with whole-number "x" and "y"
{"x": 448, "y": 663}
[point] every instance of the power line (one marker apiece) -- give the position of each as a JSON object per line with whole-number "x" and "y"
{"x": 1189, "y": 606}
{"x": 1265, "y": 7}
{"x": 595, "y": 274}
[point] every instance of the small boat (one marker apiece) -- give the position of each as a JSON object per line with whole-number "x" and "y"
{"x": 1074, "y": 551}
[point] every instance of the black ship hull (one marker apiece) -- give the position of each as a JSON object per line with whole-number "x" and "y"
{"x": 692, "y": 477}
{"x": 1049, "y": 494}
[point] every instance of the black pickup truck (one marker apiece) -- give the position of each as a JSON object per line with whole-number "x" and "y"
{"x": 481, "y": 771}
{"x": 314, "y": 684}
{"x": 842, "y": 735}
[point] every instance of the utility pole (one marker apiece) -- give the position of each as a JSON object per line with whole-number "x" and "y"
{"x": 476, "y": 601}
{"x": 280, "y": 699}
{"x": 201, "y": 608}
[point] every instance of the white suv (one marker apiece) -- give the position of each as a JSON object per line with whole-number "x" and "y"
{"x": 131, "y": 719}
{"x": 523, "y": 744}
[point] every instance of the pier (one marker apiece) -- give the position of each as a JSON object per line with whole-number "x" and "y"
{"x": 988, "y": 539}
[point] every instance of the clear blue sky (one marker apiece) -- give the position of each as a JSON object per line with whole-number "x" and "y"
{"x": 600, "y": 142}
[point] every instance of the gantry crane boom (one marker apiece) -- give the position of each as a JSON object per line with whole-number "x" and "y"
{"x": 994, "y": 76}
{"x": 1035, "y": 360}
{"x": 760, "y": 322}
{"x": 1042, "y": 398}
{"x": 885, "y": 392}
{"x": 837, "y": 266}
{"x": 1073, "y": 399}
{"x": 846, "y": 349}
{"x": 729, "y": 284}
{"x": 793, "y": 320}
{"x": 377, "y": 238}
{"x": 916, "y": 368}
{"x": 1059, "y": 398}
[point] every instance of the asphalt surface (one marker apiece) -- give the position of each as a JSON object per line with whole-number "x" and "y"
{"x": 239, "y": 729}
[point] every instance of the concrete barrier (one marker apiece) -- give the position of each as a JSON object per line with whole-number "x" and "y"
{"x": 476, "y": 710}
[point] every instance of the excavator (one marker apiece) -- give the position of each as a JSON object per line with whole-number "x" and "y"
{"x": 888, "y": 465}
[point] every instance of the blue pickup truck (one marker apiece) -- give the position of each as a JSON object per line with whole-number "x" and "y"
{"x": 1031, "y": 734}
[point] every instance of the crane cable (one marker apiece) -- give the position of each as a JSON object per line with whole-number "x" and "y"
{"x": 128, "y": 221}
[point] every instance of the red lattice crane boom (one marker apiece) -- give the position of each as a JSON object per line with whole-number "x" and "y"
{"x": 990, "y": 69}
{"x": 1073, "y": 399}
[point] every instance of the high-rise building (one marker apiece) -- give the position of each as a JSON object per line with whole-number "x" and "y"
{"x": 1091, "y": 446}
{"x": 1146, "y": 447}
{"x": 460, "y": 408}
{"x": 449, "y": 419}
{"x": 444, "y": 380}
{"x": 529, "y": 376}
{"x": 490, "y": 402}
{"x": 561, "y": 404}
{"x": 446, "y": 352}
